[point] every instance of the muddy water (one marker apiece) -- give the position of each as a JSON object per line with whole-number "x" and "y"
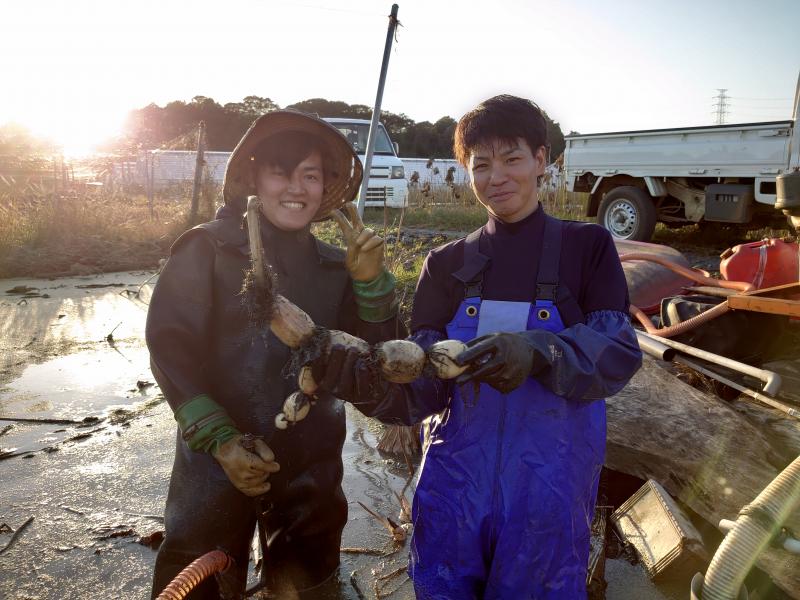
{"x": 97, "y": 484}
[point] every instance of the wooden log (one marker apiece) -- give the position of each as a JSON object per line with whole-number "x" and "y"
{"x": 700, "y": 449}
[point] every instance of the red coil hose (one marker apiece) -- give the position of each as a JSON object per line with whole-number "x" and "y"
{"x": 683, "y": 326}
{"x": 212, "y": 562}
{"x": 694, "y": 275}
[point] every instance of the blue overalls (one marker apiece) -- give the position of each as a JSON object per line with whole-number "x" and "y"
{"x": 505, "y": 500}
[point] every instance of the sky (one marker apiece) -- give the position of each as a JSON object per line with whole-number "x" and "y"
{"x": 73, "y": 69}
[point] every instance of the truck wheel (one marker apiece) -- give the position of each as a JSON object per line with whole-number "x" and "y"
{"x": 628, "y": 213}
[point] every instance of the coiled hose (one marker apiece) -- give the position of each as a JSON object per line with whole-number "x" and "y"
{"x": 193, "y": 575}
{"x": 694, "y": 275}
{"x": 757, "y": 524}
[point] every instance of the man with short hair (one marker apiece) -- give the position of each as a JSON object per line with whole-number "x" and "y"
{"x": 506, "y": 493}
{"x": 225, "y": 381}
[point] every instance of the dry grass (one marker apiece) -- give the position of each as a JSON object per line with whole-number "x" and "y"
{"x": 457, "y": 209}
{"x": 85, "y": 230}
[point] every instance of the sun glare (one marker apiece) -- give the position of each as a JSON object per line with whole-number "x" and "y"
{"x": 76, "y": 129}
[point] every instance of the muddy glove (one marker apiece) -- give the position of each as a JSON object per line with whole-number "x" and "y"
{"x": 206, "y": 427}
{"x": 502, "y": 360}
{"x": 364, "y": 258}
{"x": 347, "y": 374}
{"x": 373, "y": 285}
{"x": 248, "y": 462}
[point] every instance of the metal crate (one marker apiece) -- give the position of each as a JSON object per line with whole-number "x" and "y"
{"x": 667, "y": 543}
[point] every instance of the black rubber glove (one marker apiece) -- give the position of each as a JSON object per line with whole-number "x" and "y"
{"x": 502, "y": 360}
{"x": 347, "y": 374}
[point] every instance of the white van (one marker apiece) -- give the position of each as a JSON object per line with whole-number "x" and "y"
{"x": 387, "y": 179}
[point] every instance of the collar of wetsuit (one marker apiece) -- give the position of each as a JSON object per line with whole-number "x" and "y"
{"x": 498, "y": 227}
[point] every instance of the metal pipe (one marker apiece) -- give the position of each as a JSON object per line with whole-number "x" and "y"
{"x": 655, "y": 348}
{"x": 376, "y": 111}
{"x": 755, "y": 395}
{"x": 772, "y": 381}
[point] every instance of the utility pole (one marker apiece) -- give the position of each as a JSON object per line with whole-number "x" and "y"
{"x": 721, "y": 106}
{"x": 198, "y": 171}
{"x": 376, "y": 110}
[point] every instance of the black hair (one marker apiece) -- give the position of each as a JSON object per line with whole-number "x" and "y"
{"x": 288, "y": 149}
{"x": 503, "y": 118}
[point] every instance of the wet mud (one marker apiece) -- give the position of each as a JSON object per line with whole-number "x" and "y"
{"x": 86, "y": 450}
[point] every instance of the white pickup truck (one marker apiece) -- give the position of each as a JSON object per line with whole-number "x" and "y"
{"x": 387, "y": 185}
{"x": 720, "y": 173}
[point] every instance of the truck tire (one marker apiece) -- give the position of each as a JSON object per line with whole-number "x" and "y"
{"x": 628, "y": 213}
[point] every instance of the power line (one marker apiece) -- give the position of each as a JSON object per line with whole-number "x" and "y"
{"x": 721, "y": 106}
{"x": 783, "y": 99}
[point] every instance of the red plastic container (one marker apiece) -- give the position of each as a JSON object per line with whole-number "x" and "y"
{"x": 767, "y": 263}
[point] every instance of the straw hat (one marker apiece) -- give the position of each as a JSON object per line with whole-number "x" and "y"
{"x": 342, "y": 177}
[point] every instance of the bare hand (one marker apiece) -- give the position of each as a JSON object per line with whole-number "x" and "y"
{"x": 364, "y": 258}
{"x": 247, "y": 470}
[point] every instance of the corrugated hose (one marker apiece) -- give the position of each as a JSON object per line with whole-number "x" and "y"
{"x": 193, "y": 575}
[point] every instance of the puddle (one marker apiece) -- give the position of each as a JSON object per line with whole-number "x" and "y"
{"x": 79, "y": 389}
{"x": 78, "y": 385}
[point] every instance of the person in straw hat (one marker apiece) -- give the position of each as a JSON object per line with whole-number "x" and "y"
{"x": 225, "y": 382}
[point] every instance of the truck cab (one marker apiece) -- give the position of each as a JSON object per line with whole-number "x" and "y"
{"x": 387, "y": 180}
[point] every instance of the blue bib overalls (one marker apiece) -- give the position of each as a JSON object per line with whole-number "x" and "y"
{"x": 504, "y": 503}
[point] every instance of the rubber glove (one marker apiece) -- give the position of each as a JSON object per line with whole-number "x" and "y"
{"x": 248, "y": 462}
{"x": 346, "y": 374}
{"x": 502, "y": 360}
{"x": 364, "y": 258}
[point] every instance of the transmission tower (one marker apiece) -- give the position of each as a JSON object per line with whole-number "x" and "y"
{"x": 721, "y": 106}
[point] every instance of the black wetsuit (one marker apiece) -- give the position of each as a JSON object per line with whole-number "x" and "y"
{"x": 200, "y": 343}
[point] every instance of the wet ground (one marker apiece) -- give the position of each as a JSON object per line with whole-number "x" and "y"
{"x": 86, "y": 450}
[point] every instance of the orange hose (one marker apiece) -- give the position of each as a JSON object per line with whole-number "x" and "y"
{"x": 741, "y": 286}
{"x": 683, "y": 326}
{"x": 696, "y": 321}
{"x": 212, "y": 562}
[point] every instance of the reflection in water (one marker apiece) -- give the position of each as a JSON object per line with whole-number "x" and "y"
{"x": 78, "y": 385}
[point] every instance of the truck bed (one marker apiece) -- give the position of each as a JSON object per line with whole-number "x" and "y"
{"x": 737, "y": 150}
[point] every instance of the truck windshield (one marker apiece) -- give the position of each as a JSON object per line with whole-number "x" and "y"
{"x": 356, "y": 134}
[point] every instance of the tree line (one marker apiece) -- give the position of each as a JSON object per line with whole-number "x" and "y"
{"x": 174, "y": 126}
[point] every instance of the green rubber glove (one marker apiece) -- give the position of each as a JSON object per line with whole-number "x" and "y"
{"x": 247, "y": 461}
{"x": 376, "y": 298}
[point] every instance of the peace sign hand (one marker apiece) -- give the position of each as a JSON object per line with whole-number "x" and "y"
{"x": 364, "y": 258}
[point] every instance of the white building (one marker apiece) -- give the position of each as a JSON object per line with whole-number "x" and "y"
{"x": 168, "y": 167}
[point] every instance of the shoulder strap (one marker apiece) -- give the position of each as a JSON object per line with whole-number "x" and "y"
{"x": 475, "y": 263}
{"x": 549, "y": 261}
{"x": 547, "y": 282}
